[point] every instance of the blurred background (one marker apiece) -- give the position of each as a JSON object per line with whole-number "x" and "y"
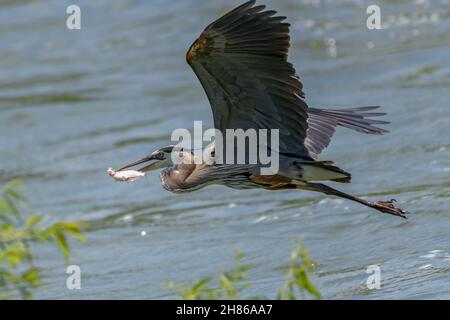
{"x": 74, "y": 102}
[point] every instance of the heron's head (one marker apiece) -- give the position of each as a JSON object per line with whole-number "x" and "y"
{"x": 158, "y": 159}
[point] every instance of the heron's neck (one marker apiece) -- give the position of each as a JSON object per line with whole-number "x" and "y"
{"x": 177, "y": 178}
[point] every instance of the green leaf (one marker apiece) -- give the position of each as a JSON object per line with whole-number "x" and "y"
{"x": 14, "y": 195}
{"x": 32, "y": 221}
{"x": 200, "y": 284}
{"x": 239, "y": 255}
{"x": 15, "y": 184}
{"x": 226, "y": 283}
{"x": 32, "y": 277}
{"x": 5, "y": 207}
{"x": 72, "y": 228}
{"x": 61, "y": 241}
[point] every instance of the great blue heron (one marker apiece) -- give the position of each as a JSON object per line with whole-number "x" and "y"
{"x": 241, "y": 62}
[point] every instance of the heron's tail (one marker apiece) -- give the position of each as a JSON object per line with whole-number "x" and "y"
{"x": 358, "y": 119}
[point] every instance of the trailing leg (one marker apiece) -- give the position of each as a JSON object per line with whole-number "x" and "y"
{"x": 382, "y": 206}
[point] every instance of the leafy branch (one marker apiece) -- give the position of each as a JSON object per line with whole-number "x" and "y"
{"x": 18, "y": 274}
{"x": 229, "y": 285}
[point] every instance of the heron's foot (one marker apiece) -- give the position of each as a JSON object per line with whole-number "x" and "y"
{"x": 389, "y": 207}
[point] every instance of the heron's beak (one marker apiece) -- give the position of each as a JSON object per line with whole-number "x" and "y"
{"x": 152, "y": 166}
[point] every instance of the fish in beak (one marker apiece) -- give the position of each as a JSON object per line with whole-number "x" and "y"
{"x": 126, "y": 174}
{"x": 157, "y": 160}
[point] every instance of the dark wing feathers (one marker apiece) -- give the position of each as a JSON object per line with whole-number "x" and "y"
{"x": 323, "y": 122}
{"x": 241, "y": 61}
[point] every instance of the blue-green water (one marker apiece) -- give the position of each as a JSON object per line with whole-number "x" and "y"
{"x": 73, "y": 103}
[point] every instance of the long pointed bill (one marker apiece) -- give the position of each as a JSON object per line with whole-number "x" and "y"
{"x": 138, "y": 162}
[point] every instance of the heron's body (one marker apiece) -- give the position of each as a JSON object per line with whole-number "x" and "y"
{"x": 294, "y": 172}
{"x": 241, "y": 62}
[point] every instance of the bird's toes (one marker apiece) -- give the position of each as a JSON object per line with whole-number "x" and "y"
{"x": 390, "y": 208}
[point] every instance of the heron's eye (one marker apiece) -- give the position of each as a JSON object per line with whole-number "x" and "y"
{"x": 161, "y": 155}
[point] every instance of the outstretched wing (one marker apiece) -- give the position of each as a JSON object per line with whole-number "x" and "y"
{"x": 241, "y": 62}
